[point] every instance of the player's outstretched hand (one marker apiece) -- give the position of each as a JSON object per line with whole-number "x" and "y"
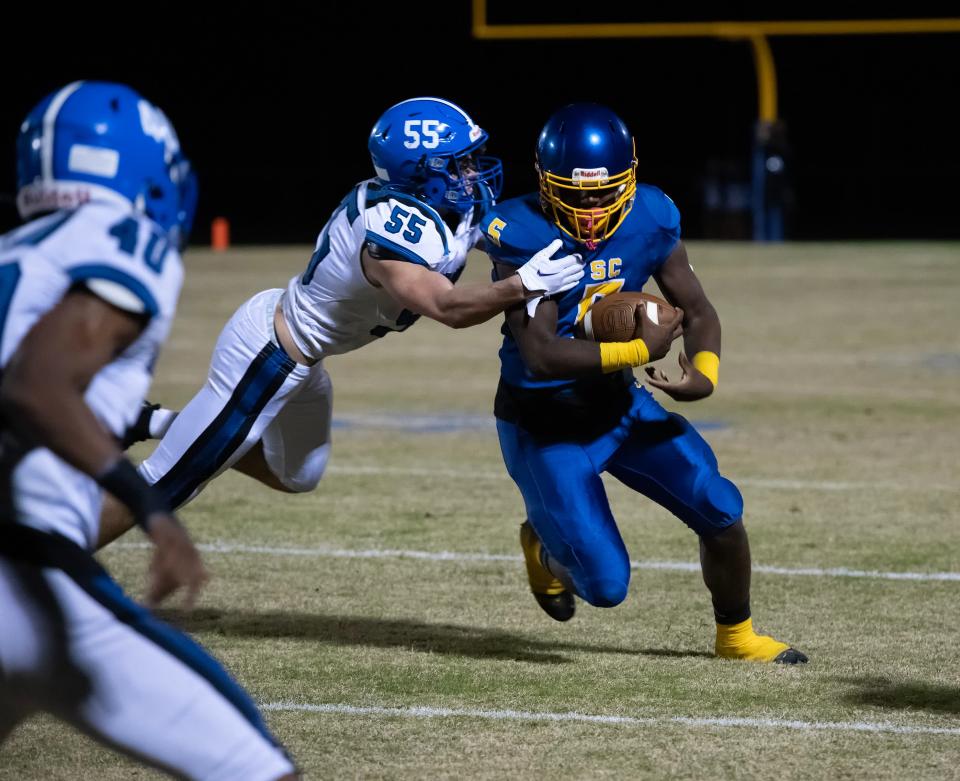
{"x": 543, "y": 275}
{"x": 691, "y": 386}
{"x": 176, "y": 562}
{"x": 657, "y": 337}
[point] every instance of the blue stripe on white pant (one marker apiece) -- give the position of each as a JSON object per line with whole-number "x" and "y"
{"x": 151, "y": 691}
{"x": 220, "y": 439}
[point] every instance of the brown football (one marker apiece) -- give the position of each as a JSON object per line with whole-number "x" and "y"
{"x": 614, "y": 318}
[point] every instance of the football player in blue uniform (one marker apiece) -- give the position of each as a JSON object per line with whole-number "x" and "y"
{"x": 568, "y": 409}
{"x": 88, "y": 291}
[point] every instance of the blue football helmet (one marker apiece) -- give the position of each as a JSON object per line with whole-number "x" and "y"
{"x": 587, "y": 164}
{"x": 431, "y": 148}
{"x": 93, "y": 141}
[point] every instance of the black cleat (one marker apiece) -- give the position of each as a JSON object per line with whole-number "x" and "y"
{"x": 550, "y": 593}
{"x": 560, "y": 607}
{"x": 791, "y": 656}
{"x": 140, "y": 430}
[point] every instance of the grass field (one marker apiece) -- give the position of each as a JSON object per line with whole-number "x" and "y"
{"x": 838, "y": 414}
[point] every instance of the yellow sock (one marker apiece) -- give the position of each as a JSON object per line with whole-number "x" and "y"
{"x": 739, "y": 641}
{"x": 542, "y": 581}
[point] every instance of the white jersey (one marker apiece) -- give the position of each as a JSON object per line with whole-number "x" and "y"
{"x": 125, "y": 259}
{"x": 332, "y": 308}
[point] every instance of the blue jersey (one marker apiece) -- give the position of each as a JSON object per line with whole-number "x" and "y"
{"x": 517, "y": 229}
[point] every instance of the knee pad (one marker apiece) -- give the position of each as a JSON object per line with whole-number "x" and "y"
{"x": 307, "y": 477}
{"x": 606, "y": 585}
{"x": 605, "y": 592}
{"x": 720, "y": 502}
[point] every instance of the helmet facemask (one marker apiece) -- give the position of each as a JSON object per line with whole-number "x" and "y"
{"x": 590, "y": 205}
{"x": 461, "y": 182}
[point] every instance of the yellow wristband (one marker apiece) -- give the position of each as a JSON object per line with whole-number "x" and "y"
{"x": 708, "y": 364}
{"x": 615, "y": 356}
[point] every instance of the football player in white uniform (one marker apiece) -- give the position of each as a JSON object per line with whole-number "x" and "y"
{"x": 390, "y": 252}
{"x": 88, "y": 290}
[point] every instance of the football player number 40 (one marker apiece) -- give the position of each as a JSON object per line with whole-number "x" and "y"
{"x": 422, "y": 132}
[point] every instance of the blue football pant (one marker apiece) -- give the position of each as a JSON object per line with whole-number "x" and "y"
{"x": 655, "y": 452}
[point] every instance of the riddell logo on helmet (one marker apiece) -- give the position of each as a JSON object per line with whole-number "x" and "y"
{"x": 590, "y": 174}
{"x": 34, "y": 198}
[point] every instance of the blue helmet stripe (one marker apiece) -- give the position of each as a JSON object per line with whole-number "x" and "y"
{"x": 446, "y": 103}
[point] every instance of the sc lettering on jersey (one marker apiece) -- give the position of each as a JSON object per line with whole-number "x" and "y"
{"x": 605, "y": 269}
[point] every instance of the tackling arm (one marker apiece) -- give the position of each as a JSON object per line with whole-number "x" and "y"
{"x": 429, "y": 293}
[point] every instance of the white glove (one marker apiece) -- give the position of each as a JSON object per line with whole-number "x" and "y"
{"x": 546, "y": 277}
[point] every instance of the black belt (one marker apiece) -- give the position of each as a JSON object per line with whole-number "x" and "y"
{"x": 45, "y": 549}
{"x": 579, "y": 411}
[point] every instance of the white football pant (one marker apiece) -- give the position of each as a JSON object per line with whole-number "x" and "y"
{"x": 254, "y": 392}
{"x": 74, "y": 645}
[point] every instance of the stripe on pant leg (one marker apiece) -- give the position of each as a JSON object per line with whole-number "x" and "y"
{"x": 218, "y": 441}
{"x": 43, "y": 550}
{"x": 187, "y": 651}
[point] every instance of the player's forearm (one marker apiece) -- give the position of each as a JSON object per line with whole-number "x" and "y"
{"x": 558, "y": 359}
{"x": 471, "y": 304}
{"x": 701, "y": 331}
{"x": 48, "y": 412}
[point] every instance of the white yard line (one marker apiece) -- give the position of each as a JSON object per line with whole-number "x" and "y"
{"x": 676, "y": 566}
{"x": 421, "y": 712}
{"x": 749, "y": 482}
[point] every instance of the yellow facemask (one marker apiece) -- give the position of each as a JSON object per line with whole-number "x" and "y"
{"x": 590, "y": 205}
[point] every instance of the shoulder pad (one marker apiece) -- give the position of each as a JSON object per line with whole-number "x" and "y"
{"x": 405, "y": 226}
{"x": 122, "y": 257}
{"x": 516, "y": 230}
{"x": 659, "y": 206}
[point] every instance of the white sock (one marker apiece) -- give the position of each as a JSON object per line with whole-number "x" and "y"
{"x": 160, "y": 421}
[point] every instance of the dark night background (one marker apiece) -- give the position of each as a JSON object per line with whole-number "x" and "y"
{"x": 275, "y": 115}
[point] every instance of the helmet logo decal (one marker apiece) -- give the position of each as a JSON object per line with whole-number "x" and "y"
{"x": 156, "y": 125}
{"x": 50, "y": 198}
{"x": 94, "y": 160}
{"x": 590, "y": 175}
